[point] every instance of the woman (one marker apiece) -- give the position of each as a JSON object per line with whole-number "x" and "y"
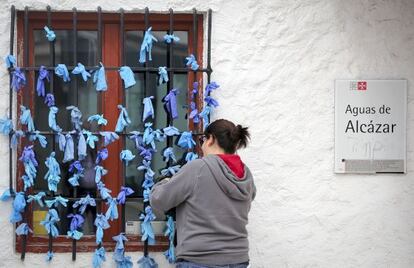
{"x": 212, "y": 196}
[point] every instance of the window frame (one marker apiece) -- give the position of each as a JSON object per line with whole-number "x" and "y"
{"x": 110, "y": 26}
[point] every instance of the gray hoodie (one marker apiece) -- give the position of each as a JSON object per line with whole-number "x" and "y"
{"x": 212, "y": 208}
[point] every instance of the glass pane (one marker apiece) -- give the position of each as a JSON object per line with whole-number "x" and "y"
{"x": 65, "y": 93}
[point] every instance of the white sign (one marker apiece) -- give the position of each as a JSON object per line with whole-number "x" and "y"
{"x": 370, "y": 126}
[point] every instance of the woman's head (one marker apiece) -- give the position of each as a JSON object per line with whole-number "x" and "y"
{"x": 223, "y": 136}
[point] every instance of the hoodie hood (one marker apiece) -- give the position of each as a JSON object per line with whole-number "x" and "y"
{"x": 232, "y": 186}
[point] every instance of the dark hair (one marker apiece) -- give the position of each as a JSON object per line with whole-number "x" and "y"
{"x": 228, "y": 136}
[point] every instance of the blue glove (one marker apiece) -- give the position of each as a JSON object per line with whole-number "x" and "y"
{"x": 170, "y": 101}
{"x": 147, "y": 262}
{"x": 18, "y": 79}
{"x": 23, "y": 229}
{"x": 83, "y": 202}
{"x": 16, "y": 138}
{"x": 50, "y": 100}
{"x": 102, "y": 155}
{"x": 50, "y": 222}
{"x": 103, "y": 191}
{"x": 190, "y": 156}
{"x": 112, "y": 212}
{"x": 90, "y": 138}
{"x": 125, "y": 191}
{"x": 36, "y": 136}
{"x": 40, "y": 86}
{"x": 76, "y": 222}
{"x": 69, "y": 153}
{"x": 57, "y": 201}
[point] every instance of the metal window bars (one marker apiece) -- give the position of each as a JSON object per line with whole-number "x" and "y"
{"x": 146, "y": 70}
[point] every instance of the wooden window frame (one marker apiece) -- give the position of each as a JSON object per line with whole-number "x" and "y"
{"x": 110, "y": 28}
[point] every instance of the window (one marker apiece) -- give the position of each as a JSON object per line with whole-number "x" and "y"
{"x": 113, "y": 39}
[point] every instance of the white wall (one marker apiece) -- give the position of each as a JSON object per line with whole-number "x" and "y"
{"x": 276, "y": 62}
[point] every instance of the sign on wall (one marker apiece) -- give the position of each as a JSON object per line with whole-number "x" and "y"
{"x": 370, "y": 126}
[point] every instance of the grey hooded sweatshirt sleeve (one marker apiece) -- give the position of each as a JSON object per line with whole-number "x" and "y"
{"x": 212, "y": 207}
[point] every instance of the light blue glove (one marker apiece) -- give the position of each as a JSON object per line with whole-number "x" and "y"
{"x": 90, "y": 138}
{"x": 62, "y": 71}
{"x": 194, "y": 113}
{"x": 170, "y": 171}
{"x": 163, "y": 75}
{"x": 49, "y": 256}
{"x": 83, "y": 202}
{"x": 27, "y": 182}
{"x": 192, "y": 62}
{"x": 16, "y": 138}
{"x": 99, "y": 79}
{"x": 69, "y": 153}
{"x": 77, "y": 170}
{"x": 123, "y": 119}
{"x": 146, "y": 226}
{"x": 126, "y": 262}
{"x": 80, "y": 69}
{"x": 119, "y": 247}
{"x": 10, "y": 61}
{"x": 23, "y": 229}
{"x": 58, "y": 200}
{"x": 18, "y": 79}
{"x": 75, "y": 117}
{"x": 169, "y": 38}
{"x": 103, "y": 191}
{"x": 146, "y": 194}
{"x": 127, "y": 76}
{"x": 99, "y": 118}
{"x": 75, "y": 234}
{"x": 190, "y": 156}
{"x": 170, "y": 231}
{"x": 52, "y": 119}
{"x": 36, "y": 136}
{"x": 6, "y": 126}
{"x": 50, "y": 222}
{"x": 19, "y": 203}
{"x": 98, "y": 258}
{"x": 29, "y": 162}
{"x": 112, "y": 212}
{"x": 205, "y": 115}
{"x": 40, "y": 86}
{"x": 126, "y": 156}
{"x": 146, "y": 166}
{"x": 169, "y": 154}
{"x": 136, "y": 136}
{"x": 148, "y": 108}
{"x": 61, "y": 140}
{"x": 50, "y": 35}
{"x": 101, "y": 223}
{"x": 53, "y": 174}
{"x": 26, "y": 118}
{"x": 146, "y": 46}
{"x": 38, "y": 198}
{"x": 82, "y": 152}
{"x": 109, "y": 137}
{"x": 170, "y": 101}
{"x": 186, "y": 140}
{"x": 99, "y": 173}
{"x": 171, "y": 131}
{"x": 147, "y": 262}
